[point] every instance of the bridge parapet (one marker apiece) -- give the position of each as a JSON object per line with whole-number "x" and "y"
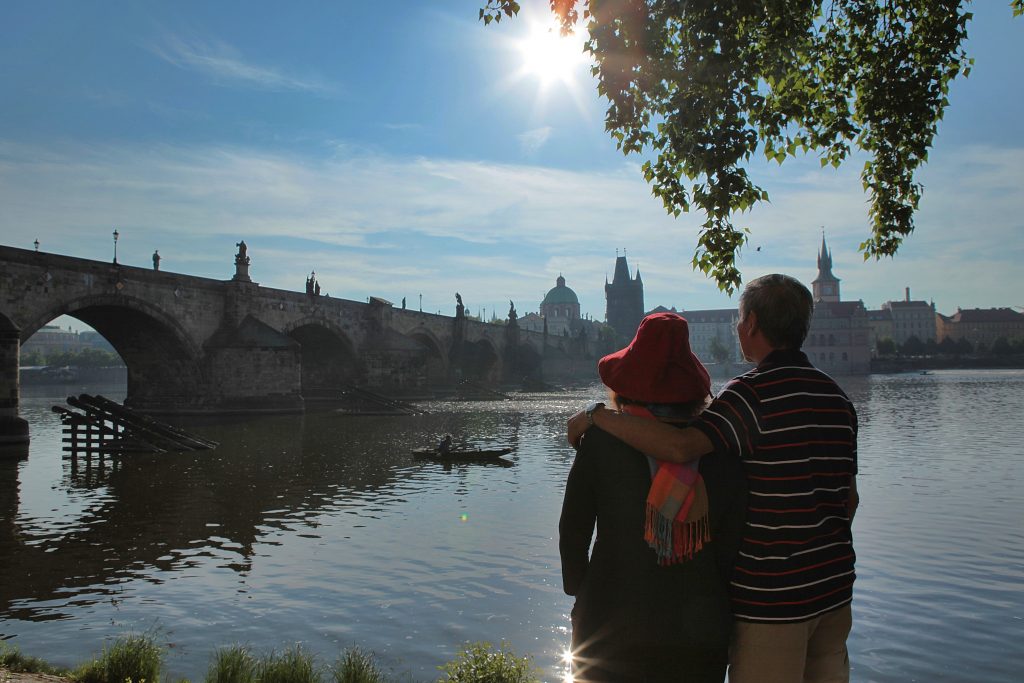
{"x": 195, "y": 343}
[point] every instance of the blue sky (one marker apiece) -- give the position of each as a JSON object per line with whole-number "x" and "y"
{"x": 405, "y": 149}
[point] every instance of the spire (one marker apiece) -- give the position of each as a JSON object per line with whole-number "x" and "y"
{"x": 826, "y": 285}
{"x": 824, "y": 259}
{"x": 560, "y": 282}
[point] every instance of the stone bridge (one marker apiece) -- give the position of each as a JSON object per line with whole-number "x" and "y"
{"x": 195, "y": 344}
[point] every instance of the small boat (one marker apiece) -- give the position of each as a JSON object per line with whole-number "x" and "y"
{"x": 462, "y": 454}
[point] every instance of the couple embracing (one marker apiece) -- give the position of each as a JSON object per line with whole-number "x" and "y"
{"x": 723, "y": 523}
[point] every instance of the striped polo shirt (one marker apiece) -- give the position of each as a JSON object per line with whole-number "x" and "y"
{"x": 796, "y": 433}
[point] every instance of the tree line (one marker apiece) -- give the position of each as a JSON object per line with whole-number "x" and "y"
{"x": 914, "y": 346}
{"x": 83, "y": 358}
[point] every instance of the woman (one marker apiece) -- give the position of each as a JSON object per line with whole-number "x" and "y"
{"x": 652, "y": 598}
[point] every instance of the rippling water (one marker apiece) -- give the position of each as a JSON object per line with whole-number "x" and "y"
{"x": 321, "y": 529}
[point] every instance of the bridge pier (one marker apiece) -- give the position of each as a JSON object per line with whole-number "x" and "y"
{"x": 13, "y": 429}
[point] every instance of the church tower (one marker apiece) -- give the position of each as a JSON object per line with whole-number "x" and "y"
{"x": 625, "y": 300}
{"x": 561, "y": 309}
{"x": 826, "y": 285}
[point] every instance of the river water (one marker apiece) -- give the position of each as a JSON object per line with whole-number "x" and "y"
{"x": 321, "y": 530}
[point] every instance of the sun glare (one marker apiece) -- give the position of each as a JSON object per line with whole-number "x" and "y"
{"x": 551, "y": 57}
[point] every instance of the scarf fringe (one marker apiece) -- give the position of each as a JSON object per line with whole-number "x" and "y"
{"x": 675, "y": 541}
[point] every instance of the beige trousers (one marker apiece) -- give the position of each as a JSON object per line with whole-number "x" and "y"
{"x": 811, "y": 651}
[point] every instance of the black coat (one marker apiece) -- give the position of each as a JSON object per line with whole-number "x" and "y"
{"x": 635, "y": 620}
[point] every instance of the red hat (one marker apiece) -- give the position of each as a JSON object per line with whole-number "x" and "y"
{"x": 658, "y": 365}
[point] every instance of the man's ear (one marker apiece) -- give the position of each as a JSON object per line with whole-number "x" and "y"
{"x": 751, "y": 322}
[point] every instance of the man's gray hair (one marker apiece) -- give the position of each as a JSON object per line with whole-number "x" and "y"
{"x": 783, "y": 307}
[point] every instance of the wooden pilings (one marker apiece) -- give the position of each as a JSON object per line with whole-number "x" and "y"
{"x": 107, "y": 427}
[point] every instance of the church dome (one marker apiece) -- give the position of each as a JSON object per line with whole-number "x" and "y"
{"x": 560, "y": 294}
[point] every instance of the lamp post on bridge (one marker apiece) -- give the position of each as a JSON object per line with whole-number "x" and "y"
{"x": 116, "y": 235}
{"x": 36, "y": 243}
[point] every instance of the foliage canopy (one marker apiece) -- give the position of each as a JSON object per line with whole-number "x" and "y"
{"x": 699, "y": 86}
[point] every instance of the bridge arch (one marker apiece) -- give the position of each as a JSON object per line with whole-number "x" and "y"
{"x": 165, "y": 364}
{"x": 328, "y": 356}
{"x": 477, "y": 361}
{"x": 528, "y": 363}
{"x": 95, "y": 307}
{"x": 434, "y": 359}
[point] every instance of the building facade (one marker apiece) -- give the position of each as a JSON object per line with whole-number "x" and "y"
{"x": 912, "y": 319}
{"x": 879, "y": 328}
{"x": 981, "y": 326}
{"x": 713, "y": 334}
{"x": 51, "y": 340}
{"x": 838, "y": 339}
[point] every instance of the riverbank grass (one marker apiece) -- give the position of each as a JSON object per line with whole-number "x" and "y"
{"x": 130, "y": 659}
{"x": 13, "y": 660}
{"x": 356, "y": 666}
{"x": 233, "y": 664}
{"x": 291, "y": 666}
{"x": 482, "y": 662}
{"x": 138, "y": 659}
{"x": 236, "y": 664}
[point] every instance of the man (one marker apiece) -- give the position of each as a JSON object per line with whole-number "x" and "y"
{"x": 652, "y": 596}
{"x": 795, "y": 432}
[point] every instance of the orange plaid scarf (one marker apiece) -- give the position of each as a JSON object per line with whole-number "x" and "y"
{"x": 676, "y": 525}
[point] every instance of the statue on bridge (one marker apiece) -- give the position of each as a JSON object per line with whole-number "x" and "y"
{"x": 460, "y": 309}
{"x": 512, "y": 315}
{"x": 156, "y": 259}
{"x": 242, "y": 263}
{"x": 241, "y": 258}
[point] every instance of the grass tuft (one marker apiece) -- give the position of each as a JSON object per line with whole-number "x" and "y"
{"x": 15, "y": 662}
{"x": 481, "y": 663}
{"x": 356, "y": 666}
{"x": 134, "y": 659}
{"x": 291, "y": 666}
{"x": 233, "y": 664}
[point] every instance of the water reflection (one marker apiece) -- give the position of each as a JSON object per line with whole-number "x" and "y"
{"x": 327, "y": 483}
{"x": 322, "y": 529}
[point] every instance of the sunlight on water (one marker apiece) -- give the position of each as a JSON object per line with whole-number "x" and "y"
{"x": 322, "y": 529}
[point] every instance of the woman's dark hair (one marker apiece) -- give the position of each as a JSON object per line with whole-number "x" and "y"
{"x": 668, "y": 411}
{"x": 783, "y": 307}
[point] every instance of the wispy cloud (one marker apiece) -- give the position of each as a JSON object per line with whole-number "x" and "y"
{"x": 224, "y": 64}
{"x": 378, "y": 225}
{"x": 532, "y": 140}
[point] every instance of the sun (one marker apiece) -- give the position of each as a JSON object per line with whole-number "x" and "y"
{"x": 550, "y": 57}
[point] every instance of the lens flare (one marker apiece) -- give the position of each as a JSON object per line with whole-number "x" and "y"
{"x": 551, "y": 57}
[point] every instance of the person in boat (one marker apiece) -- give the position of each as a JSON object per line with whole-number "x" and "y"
{"x": 795, "y": 432}
{"x": 652, "y": 598}
{"x": 445, "y": 447}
